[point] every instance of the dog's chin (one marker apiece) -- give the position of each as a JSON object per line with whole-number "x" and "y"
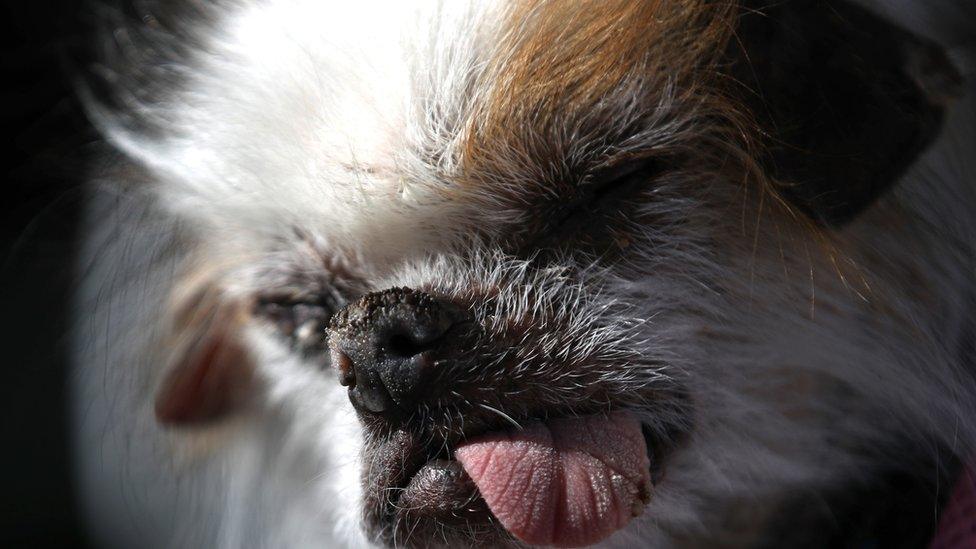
{"x": 568, "y": 481}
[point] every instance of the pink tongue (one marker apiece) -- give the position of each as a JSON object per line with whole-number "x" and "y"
{"x": 567, "y": 482}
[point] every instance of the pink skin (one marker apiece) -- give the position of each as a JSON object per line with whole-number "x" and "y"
{"x": 566, "y": 482}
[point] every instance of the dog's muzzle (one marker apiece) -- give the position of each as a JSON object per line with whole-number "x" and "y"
{"x": 440, "y": 460}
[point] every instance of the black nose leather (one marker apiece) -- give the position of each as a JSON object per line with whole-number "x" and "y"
{"x": 383, "y": 348}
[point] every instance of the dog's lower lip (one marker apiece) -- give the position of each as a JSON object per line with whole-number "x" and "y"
{"x": 442, "y": 490}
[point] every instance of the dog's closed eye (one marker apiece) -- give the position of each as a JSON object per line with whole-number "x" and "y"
{"x": 604, "y": 201}
{"x": 300, "y": 318}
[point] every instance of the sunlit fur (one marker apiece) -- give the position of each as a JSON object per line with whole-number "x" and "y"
{"x": 405, "y": 145}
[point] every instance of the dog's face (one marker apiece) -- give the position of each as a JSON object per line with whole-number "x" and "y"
{"x": 579, "y": 268}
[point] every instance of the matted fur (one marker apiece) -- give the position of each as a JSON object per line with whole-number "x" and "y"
{"x": 383, "y": 145}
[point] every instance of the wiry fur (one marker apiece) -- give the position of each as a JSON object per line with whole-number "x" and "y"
{"x": 390, "y": 146}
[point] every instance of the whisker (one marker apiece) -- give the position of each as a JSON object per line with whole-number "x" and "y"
{"x": 501, "y": 414}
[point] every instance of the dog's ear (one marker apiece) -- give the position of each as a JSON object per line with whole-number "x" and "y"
{"x": 847, "y": 99}
{"x": 212, "y": 372}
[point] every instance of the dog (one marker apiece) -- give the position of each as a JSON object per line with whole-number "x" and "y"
{"x": 520, "y": 273}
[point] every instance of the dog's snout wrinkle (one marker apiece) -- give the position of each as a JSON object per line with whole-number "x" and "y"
{"x": 384, "y": 349}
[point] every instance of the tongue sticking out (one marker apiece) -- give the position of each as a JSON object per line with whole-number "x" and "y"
{"x": 566, "y": 482}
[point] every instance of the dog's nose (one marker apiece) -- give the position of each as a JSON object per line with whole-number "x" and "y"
{"x": 384, "y": 348}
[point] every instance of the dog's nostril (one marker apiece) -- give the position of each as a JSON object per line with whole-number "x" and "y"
{"x": 405, "y": 346}
{"x": 384, "y": 346}
{"x": 344, "y": 367}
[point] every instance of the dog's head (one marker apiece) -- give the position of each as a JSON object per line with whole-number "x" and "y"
{"x": 580, "y": 267}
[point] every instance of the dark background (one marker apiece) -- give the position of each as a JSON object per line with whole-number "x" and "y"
{"x": 45, "y": 142}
